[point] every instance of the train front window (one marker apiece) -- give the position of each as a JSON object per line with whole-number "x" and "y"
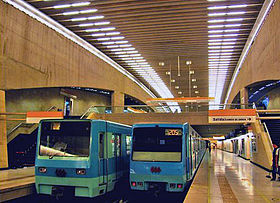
{"x": 157, "y": 144}
{"x": 67, "y": 138}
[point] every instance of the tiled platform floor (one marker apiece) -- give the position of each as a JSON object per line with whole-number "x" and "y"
{"x": 225, "y": 177}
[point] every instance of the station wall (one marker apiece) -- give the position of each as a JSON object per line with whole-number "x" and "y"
{"x": 263, "y": 61}
{"x": 274, "y": 99}
{"x": 41, "y": 99}
{"x": 33, "y": 56}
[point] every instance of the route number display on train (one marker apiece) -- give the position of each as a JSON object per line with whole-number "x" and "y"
{"x": 173, "y": 132}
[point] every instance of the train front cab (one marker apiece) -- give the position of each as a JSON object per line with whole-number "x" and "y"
{"x": 158, "y": 157}
{"x": 94, "y": 160}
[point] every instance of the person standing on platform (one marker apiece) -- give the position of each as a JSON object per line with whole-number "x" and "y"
{"x": 274, "y": 162}
{"x": 278, "y": 156}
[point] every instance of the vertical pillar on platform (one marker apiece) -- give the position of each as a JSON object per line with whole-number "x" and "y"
{"x": 117, "y": 102}
{"x": 3, "y": 135}
{"x": 244, "y": 98}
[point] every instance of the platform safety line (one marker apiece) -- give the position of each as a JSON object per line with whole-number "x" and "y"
{"x": 209, "y": 179}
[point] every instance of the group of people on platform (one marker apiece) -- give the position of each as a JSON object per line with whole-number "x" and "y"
{"x": 275, "y": 162}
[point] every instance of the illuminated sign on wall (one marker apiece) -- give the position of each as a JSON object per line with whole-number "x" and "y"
{"x": 232, "y": 116}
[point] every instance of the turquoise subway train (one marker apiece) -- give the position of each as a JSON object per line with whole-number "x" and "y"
{"x": 164, "y": 157}
{"x": 83, "y": 158}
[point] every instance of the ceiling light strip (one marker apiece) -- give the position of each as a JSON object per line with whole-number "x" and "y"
{"x": 46, "y": 20}
{"x": 259, "y": 21}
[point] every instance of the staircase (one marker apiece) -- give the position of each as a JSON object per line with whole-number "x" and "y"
{"x": 273, "y": 127}
{"x": 22, "y": 150}
{"x": 22, "y": 144}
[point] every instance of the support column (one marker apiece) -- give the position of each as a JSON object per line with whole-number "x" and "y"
{"x": 117, "y": 102}
{"x": 3, "y": 131}
{"x": 244, "y": 98}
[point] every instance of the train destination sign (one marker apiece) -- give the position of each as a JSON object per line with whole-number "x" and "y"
{"x": 173, "y": 132}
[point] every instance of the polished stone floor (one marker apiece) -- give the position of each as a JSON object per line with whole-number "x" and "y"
{"x": 225, "y": 177}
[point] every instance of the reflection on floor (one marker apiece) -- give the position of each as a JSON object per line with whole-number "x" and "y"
{"x": 225, "y": 177}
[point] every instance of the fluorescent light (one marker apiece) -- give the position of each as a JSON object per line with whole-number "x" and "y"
{"x": 79, "y": 12}
{"x": 225, "y": 20}
{"x": 220, "y": 40}
{"x": 71, "y": 5}
{"x": 103, "y": 39}
{"x": 103, "y": 34}
{"x": 117, "y": 38}
{"x": 217, "y": 14}
{"x": 216, "y": 7}
{"x": 238, "y": 6}
{"x": 86, "y": 24}
{"x": 71, "y": 13}
{"x": 80, "y": 4}
{"x": 113, "y": 33}
{"x": 102, "y": 23}
{"x": 88, "y": 11}
{"x": 62, "y": 6}
{"x": 225, "y": 7}
{"x": 121, "y": 42}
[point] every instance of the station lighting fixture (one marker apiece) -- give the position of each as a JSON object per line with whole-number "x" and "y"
{"x": 100, "y": 29}
{"x": 225, "y": 20}
{"x": 87, "y": 18}
{"x": 103, "y": 37}
{"x": 172, "y": 80}
{"x": 222, "y": 38}
{"x": 80, "y": 4}
{"x": 193, "y": 80}
{"x": 195, "y": 86}
{"x": 177, "y": 87}
{"x": 79, "y": 12}
{"x": 179, "y": 92}
{"x": 196, "y": 92}
{"x": 188, "y": 62}
{"x": 94, "y": 24}
{"x": 161, "y": 63}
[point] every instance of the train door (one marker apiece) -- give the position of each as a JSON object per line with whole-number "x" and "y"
{"x": 193, "y": 153}
{"x": 190, "y": 154}
{"x": 117, "y": 153}
{"x": 103, "y": 170}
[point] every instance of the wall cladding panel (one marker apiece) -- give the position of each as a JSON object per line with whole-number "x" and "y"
{"x": 263, "y": 60}
{"x": 36, "y": 56}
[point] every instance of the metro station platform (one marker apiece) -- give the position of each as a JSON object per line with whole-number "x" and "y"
{"x": 225, "y": 177}
{"x": 222, "y": 177}
{"x": 16, "y": 183}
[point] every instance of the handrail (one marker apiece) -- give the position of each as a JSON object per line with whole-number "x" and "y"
{"x": 268, "y": 118}
{"x": 11, "y": 113}
{"x": 267, "y": 111}
{"x": 82, "y": 116}
{"x": 266, "y": 129}
{"x": 16, "y": 127}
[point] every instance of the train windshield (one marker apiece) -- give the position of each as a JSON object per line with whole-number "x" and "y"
{"x": 67, "y": 139}
{"x": 157, "y": 144}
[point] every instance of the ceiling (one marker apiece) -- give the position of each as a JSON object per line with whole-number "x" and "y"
{"x": 209, "y": 33}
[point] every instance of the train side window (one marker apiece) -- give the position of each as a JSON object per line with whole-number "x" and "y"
{"x": 101, "y": 145}
{"x": 128, "y": 144}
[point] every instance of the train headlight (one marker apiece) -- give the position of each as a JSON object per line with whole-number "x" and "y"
{"x": 81, "y": 171}
{"x": 42, "y": 169}
{"x": 172, "y": 185}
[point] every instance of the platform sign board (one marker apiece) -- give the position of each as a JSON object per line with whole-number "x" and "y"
{"x": 36, "y": 116}
{"x": 232, "y": 116}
